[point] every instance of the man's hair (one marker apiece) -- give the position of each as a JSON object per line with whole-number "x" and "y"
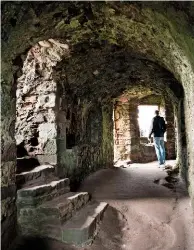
{"x": 157, "y": 112}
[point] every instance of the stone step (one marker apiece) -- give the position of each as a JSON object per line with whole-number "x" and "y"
{"x": 82, "y": 227}
{"x": 33, "y": 196}
{"x": 26, "y": 163}
{"x": 79, "y": 230}
{"x": 55, "y": 212}
{"x": 43, "y": 172}
{"x": 38, "y": 182}
{"x": 65, "y": 206}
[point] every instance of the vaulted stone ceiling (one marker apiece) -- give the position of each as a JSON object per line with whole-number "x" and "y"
{"x": 114, "y": 47}
{"x": 160, "y": 31}
{"x": 103, "y": 72}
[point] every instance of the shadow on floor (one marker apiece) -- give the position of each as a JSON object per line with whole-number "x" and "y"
{"x": 129, "y": 183}
{"x": 109, "y": 236}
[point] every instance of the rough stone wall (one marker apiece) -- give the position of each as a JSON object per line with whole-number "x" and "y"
{"x": 107, "y": 134}
{"x": 181, "y": 146}
{"x": 8, "y": 161}
{"x": 167, "y": 38}
{"x": 53, "y": 125}
{"x": 126, "y": 131}
{"x": 84, "y": 138}
{"x": 36, "y": 110}
{"x": 135, "y": 155}
{"x": 127, "y": 141}
{"x": 121, "y": 131}
{"x": 185, "y": 114}
{"x": 189, "y": 125}
{"x": 170, "y": 134}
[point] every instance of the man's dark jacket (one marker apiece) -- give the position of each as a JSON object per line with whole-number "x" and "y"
{"x": 158, "y": 126}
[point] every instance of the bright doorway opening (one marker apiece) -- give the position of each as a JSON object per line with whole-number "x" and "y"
{"x": 146, "y": 113}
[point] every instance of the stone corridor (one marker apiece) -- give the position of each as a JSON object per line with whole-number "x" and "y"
{"x": 152, "y": 213}
{"x": 147, "y": 210}
{"x": 74, "y": 75}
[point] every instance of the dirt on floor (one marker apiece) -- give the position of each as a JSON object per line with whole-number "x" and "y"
{"x": 148, "y": 210}
{"x": 143, "y": 214}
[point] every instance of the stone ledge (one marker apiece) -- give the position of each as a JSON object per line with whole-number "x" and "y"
{"x": 40, "y": 171}
{"x": 79, "y": 230}
{"x": 47, "y": 159}
{"x": 54, "y": 212}
{"x": 35, "y": 195}
{"x": 82, "y": 227}
{"x": 66, "y": 205}
{"x": 38, "y": 190}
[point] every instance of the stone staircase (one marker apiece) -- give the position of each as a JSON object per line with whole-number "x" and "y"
{"x": 47, "y": 208}
{"x": 40, "y": 174}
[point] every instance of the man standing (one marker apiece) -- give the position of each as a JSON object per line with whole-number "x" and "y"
{"x": 158, "y": 128}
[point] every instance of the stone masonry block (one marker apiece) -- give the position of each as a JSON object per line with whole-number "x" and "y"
{"x": 38, "y": 172}
{"x": 46, "y": 87}
{"x": 82, "y": 227}
{"x": 46, "y": 101}
{"x": 8, "y": 152}
{"x": 31, "y": 99}
{"x": 39, "y": 118}
{"x": 50, "y": 147}
{"x": 39, "y": 190}
{"x": 47, "y": 159}
{"x": 50, "y": 116}
{"x": 47, "y": 131}
{"x": 63, "y": 207}
{"x": 27, "y": 197}
{"x": 7, "y": 206}
{"x": 8, "y": 173}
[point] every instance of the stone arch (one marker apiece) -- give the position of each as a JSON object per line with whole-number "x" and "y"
{"x": 36, "y": 99}
{"x": 142, "y": 28}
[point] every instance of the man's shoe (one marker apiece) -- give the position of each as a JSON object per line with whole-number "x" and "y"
{"x": 162, "y": 166}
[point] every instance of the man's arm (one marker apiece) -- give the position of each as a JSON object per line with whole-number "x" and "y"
{"x": 151, "y": 129}
{"x": 164, "y": 125}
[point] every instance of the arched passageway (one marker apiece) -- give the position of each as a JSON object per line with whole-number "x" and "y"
{"x": 132, "y": 116}
{"x": 77, "y": 58}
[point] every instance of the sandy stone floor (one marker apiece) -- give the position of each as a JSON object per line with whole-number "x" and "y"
{"x": 143, "y": 214}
